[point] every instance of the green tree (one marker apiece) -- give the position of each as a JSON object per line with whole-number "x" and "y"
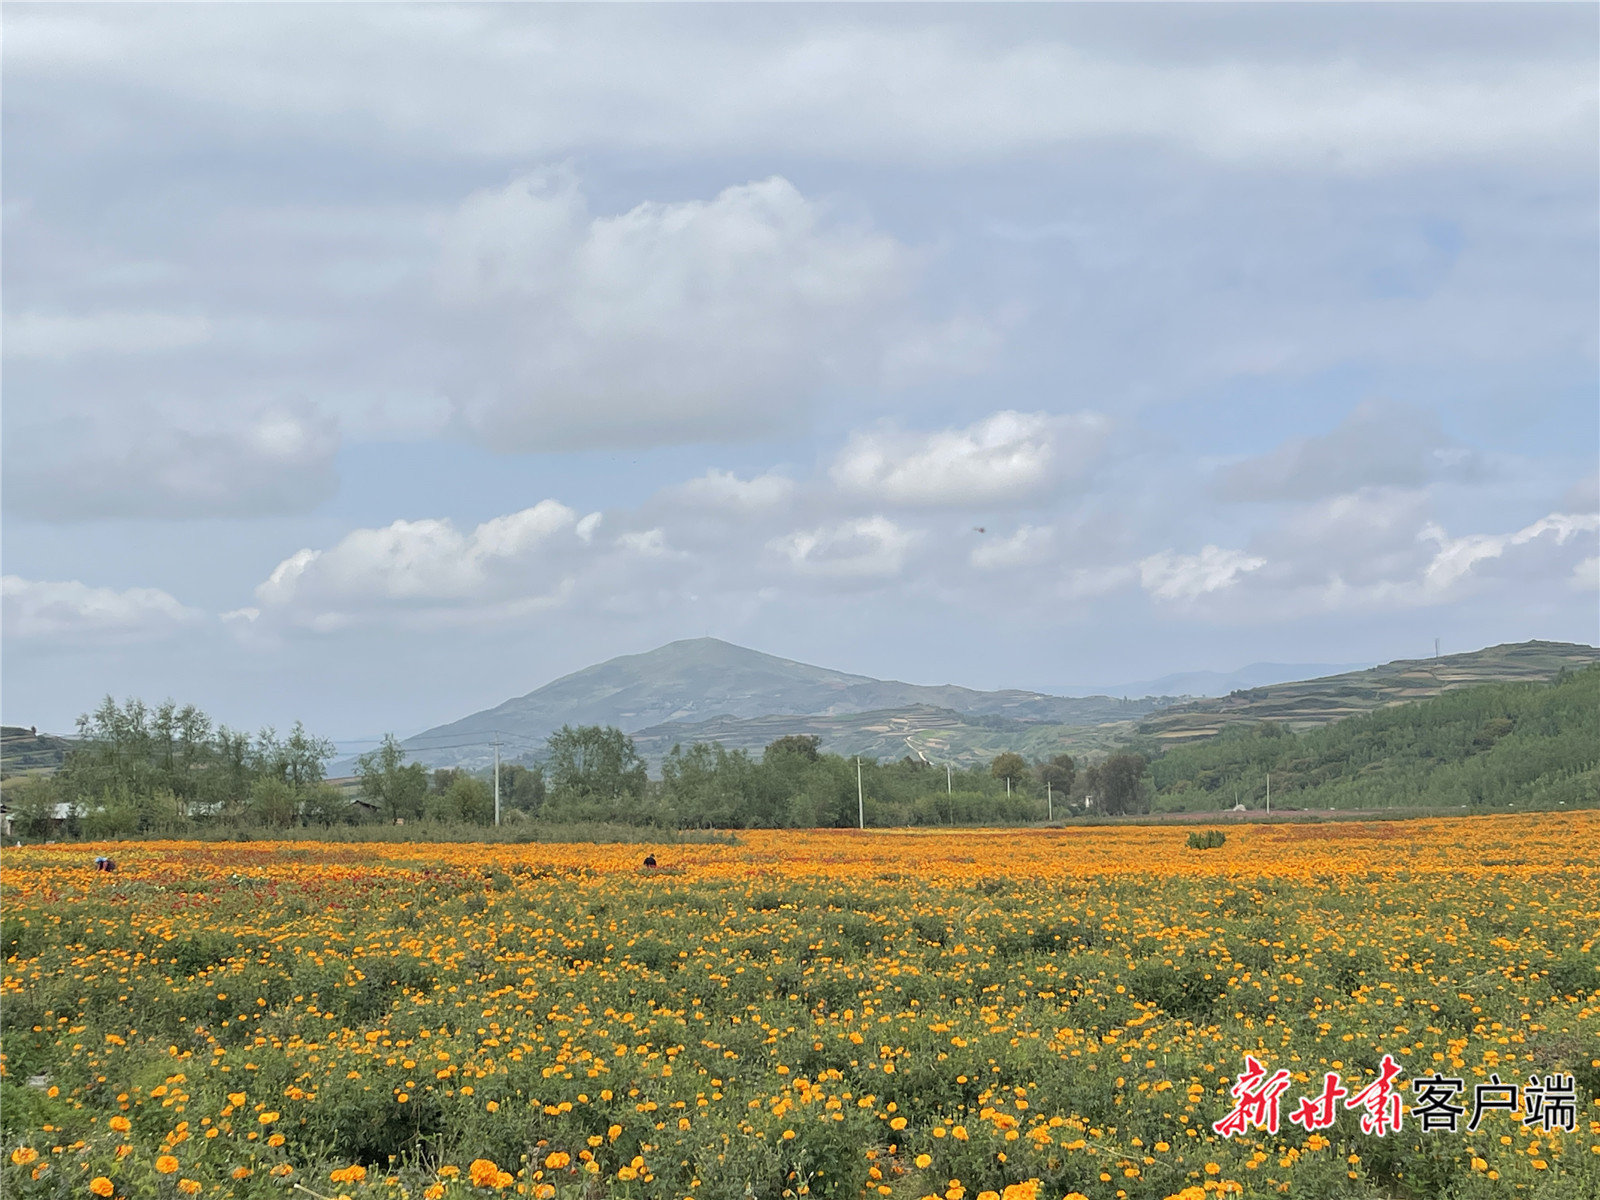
{"x": 1060, "y": 773}
{"x": 464, "y": 800}
{"x": 1117, "y": 785}
{"x": 1010, "y": 766}
{"x": 397, "y": 788}
{"x": 304, "y": 758}
{"x": 325, "y": 805}
{"x": 592, "y": 764}
{"x": 272, "y": 803}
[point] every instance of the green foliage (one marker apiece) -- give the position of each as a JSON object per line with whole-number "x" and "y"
{"x": 593, "y": 773}
{"x": 397, "y": 789}
{"x": 1009, "y": 766}
{"x": 1490, "y": 746}
{"x": 1209, "y": 839}
{"x": 1117, "y": 786}
{"x": 167, "y": 770}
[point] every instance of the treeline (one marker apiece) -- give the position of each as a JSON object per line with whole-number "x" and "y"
{"x": 1488, "y": 746}
{"x": 170, "y": 771}
{"x": 136, "y": 769}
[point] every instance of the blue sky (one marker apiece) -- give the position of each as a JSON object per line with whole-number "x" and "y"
{"x": 369, "y": 365}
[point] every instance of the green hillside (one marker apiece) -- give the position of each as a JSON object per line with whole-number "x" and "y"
{"x": 933, "y": 735}
{"x": 1315, "y": 702}
{"x": 26, "y": 752}
{"x": 1492, "y": 745}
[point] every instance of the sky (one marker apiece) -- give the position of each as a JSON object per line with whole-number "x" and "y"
{"x": 369, "y": 365}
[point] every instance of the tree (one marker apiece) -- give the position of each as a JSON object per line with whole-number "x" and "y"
{"x": 398, "y": 788}
{"x": 709, "y": 787}
{"x": 304, "y": 758}
{"x": 1060, "y": 773}
{"x": 1009, "y": 766}
{"x": 522, "y": 787}
{"x": 272, "y": 802}
{"x": 464, "y": 800}
{"x": 799, "y": 745}
{"x": 591, "y": 763}
{"x": 323, "y": 804}
{"x": 1117, "y": 785}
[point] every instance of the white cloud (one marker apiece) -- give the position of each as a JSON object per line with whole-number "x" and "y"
{"x": 947, "y": 86}
{"x": 1005, "y": 459}
{"x": 1028, "y": 545}
{"x": 159, "y": 462}
{"x": 70, "y": 611}
{"x": 427, "y": 562}
{"x": 723, "y": 490}
{"x": 690, "y": 321}
{"x": 863, "y": 548}
{"x": 1455, "y": 559}
{"x": 60, "y": 336}
{"x": 1185, "y": 577}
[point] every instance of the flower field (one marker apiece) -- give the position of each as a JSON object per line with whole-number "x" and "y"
{"x": 1022, "y": 1014}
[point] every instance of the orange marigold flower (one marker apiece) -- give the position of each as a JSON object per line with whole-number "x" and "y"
{"x": 101, "y": 1186}
{"x": 188, "y": 1186}
{"x": 120, "y": 1123}
{"x": 166, "y": 1164}
{"x": 483, "y": 1173}
{"x": 23, "y": 1155}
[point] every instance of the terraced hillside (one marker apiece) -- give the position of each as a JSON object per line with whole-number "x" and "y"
{"x": 935, "y": 735}
{"x": 1315, "y": 702}
{"x": 26, "y": 751}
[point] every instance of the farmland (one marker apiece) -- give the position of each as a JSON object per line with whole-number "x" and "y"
{"x": 830, "y": 1014}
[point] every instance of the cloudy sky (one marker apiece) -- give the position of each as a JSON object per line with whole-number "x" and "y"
{"x": 373, "y": 364}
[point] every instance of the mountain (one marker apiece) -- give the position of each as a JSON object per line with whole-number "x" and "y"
{"x": 935, "y": 735}
{"x": 1314, "y": 702}
{"x": 699, "y": 679}
{"x": 1202, "y": 684}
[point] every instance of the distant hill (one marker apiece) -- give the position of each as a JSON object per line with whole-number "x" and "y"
{"x": 25, "y": 751}
{"x": 706, "y": 679}
{"x": 1200, "y": 684}
{"x": 1475, "y": 746}
{"x": 935, "y": 735}
{"x": 1315, "y": 702}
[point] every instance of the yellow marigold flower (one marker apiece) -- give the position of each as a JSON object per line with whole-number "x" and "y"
{"x": 242, "y": 1172}
{"x": 188, "y": 1186}
{"x": 433, "y": 1191}
{"x": 23, "y": 1155}
{"x": 483, "y": 1173}
{"x": 354, "y": 1173}
{"x": 275, "y": 1140}
{"x": 166, "y": 1164}
{"x": 627, "y": 1174}
{"x": 959, "y": 1132}
{"x": 923, "y": 1160}
{"x": 120, "y": 1124}
{"x": 557, "y": 1159}
{"x": 101, "y": 1186}
{"x": 544, "y": 1191}
{"x": 267, "y": 1118}
{"x": 988, "y": 1196}
{"x": 236, "y": 1099}
{"x": 282, "y": 1170}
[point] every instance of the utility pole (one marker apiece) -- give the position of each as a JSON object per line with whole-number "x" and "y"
{"x": 497, "y": 779}
{"x": 949, "y": 788}
{"x": 1008, "y": 787}
{"x": 1269, "y": 793}
{"x": 1049, "y": 801}
{"x": 861, "y": 803}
